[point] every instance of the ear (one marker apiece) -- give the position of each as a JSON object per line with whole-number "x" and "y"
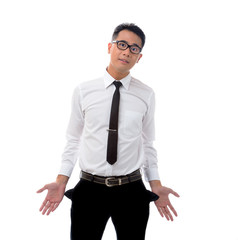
{"x": 109, "y": 48}
{"x": 139, "y": 58}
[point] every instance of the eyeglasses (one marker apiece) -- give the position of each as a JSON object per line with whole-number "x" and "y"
{"x": 123, "y": 45}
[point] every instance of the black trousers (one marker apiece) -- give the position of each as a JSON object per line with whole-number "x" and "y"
{"x": 93, "y": 204}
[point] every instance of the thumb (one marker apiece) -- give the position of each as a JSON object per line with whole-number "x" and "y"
{"x": 175, "y": 194}
{"x": 42, "y": 189}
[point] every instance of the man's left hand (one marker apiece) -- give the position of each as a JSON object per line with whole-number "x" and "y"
{"x": 163, "y": 204}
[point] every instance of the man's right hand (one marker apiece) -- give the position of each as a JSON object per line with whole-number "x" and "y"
{"x": 55, "y": 194}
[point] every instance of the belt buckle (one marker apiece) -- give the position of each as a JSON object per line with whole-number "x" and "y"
{"x": 112, "y": 178}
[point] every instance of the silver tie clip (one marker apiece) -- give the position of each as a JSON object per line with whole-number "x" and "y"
{"x": 112, "y": 130}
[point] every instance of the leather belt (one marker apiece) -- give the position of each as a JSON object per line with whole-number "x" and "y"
{"x": 112, "y": 181}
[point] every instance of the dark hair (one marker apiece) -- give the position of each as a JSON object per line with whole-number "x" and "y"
{"x": 130, "y": 27}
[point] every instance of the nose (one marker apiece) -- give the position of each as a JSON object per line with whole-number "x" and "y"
{"x": 127, "y": 52}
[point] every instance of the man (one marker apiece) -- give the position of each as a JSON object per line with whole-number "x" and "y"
{"x": 111, "y": 129}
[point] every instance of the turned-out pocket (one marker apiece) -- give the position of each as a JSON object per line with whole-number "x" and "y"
{"x": 69, "y": 193}
{"x": 151, "y": 197}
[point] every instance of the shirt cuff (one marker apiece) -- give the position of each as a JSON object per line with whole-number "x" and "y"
{"x": 65, "y": 170}
{"x": 151, "y": 174}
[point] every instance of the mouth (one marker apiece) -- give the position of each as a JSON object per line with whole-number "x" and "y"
{"x": 123, "y": 60}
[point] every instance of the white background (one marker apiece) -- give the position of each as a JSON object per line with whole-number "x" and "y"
{"x": 190, "y": 59}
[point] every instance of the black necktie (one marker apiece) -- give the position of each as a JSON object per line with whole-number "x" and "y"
{"x": 113, "y": 126}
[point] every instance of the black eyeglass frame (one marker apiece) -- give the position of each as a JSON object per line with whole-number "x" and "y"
{"x": 128, "y": 46}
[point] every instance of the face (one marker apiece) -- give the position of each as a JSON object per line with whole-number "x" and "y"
{"x": 123, "y": 60}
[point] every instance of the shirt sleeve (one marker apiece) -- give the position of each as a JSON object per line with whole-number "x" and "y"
{"x": 150, "y": 167}
{"x": 73, "y": 135}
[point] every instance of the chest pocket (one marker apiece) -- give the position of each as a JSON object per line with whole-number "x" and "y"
{"x": 131, "y": 123}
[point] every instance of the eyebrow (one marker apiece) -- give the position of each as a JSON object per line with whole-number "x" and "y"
{"x": 133, "y": 44}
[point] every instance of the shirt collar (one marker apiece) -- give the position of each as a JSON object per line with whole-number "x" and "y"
{"x": 108, "y": 80}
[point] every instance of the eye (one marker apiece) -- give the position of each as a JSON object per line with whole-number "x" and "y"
{"x": 135, "y": 49}
{"x": 122, "y": 45}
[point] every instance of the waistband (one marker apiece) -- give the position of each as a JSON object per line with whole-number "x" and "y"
{"x": 112, "y": 181}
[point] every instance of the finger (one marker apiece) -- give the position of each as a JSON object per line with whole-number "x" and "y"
{"x": 161, "y": 213}
{"x": 55, "y": 206}
{"x": 159, "y": 209}
{"x": 173, "y": 210}
{"x": 167, "y": 214}
{"x": 50, "y": 208}
{"x": 43, "y": 204}
{"x": 46, "y": 207}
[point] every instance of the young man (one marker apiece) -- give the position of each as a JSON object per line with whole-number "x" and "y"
{"x": 111, "y": 131}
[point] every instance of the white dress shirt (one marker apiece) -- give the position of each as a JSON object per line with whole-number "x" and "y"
{"x": 87, "y": 130}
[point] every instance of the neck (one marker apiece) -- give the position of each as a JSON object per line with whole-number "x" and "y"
{"x": 115, "y": 74}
